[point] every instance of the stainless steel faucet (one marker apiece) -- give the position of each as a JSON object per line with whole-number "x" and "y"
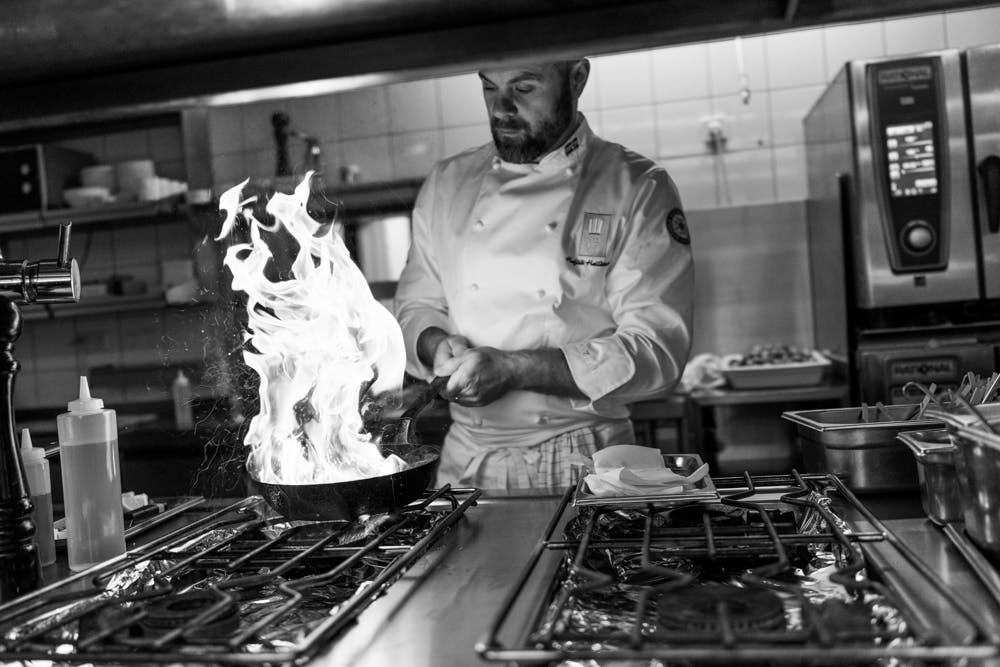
{"x": 21, "y": 282}
{"x": 44, "y": 281}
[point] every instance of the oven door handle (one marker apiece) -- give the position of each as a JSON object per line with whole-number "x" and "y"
{"x": 989, "y": 172}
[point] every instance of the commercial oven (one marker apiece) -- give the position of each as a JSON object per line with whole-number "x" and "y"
{"x": 904, "y": 218}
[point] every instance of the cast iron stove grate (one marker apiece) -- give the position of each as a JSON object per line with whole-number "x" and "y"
{"x": 238, "y": 586}
{"x": 772, "y": 574}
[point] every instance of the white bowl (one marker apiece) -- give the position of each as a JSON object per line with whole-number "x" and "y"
{"x": 85, "y": 197}
{"x": 99, "y": 176}
{"x": 130, "y": 175}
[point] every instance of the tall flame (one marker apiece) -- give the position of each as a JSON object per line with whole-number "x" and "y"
{"x": 315, "y": 340}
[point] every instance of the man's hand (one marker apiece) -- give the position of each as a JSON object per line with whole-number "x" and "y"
{"x": 446, "y": 351}
{"x": 479, "y": 376}
{"x": 435, "y": 347}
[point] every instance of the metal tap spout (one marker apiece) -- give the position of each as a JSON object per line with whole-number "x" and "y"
{"x": 44, "y": 281}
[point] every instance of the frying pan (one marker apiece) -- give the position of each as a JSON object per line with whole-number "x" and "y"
{"x": 344, "y": 501}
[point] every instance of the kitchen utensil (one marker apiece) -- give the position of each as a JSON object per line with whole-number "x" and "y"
{"x": 939, "y": 484}
{"x": 866, "y": 455}
{"x": 372, "y": 495}
{"x": 977, "y": 462}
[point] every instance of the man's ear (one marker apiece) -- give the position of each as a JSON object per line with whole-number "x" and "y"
{"x": 579, "y": 72}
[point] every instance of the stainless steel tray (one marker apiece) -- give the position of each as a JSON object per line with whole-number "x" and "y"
{"x": 702, "y": 491}
{"x": 843, "y": 427}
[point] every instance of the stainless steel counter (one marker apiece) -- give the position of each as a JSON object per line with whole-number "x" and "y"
{"x": 902, "y": 516}
{"x": 434, "y": 615}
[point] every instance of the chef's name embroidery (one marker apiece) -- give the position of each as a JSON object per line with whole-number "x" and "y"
{"x": 573, "y": 144}
{"x": 592, "y": 242}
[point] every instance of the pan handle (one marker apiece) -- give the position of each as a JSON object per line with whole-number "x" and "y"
{"x": 426, "y": 397}
{"x": 401, "y": 432}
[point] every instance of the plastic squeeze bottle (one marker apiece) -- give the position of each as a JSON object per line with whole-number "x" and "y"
{"x": 36, "y": 469}
{"x": 92, "y": 488}
{"x": 183, "y": 413}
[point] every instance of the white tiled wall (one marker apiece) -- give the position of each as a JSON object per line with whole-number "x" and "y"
{"x": 654, "y": 101}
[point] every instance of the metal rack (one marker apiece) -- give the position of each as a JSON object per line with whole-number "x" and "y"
{"x": 238, "y": 586}
{"x": 657, "y": 564}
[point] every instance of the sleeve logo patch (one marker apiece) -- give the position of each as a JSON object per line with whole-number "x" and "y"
{"x": 677, "y": 226}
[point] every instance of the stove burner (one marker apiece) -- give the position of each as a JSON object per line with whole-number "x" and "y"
{"x": 697, "y": 608}
{"x": 171, "y": 613}
{"x": 845, "y": 620}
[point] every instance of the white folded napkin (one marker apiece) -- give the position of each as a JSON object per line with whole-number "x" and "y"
{"x": 631, "y": 470}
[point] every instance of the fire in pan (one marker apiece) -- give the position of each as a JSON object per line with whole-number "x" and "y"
{"x": 373, "y": 495}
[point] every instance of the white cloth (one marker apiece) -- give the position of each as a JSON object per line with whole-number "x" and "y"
{"x": 573, "y": 253}
{"x": 629, "y": 470}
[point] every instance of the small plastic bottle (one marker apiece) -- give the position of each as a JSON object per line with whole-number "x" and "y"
{"x": 36, "y": 469}
{"x": 92, "y": 489}
{"x": 183, "y": 414}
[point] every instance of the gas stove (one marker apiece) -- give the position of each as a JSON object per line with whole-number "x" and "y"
{"x": 240, "y": 585}
{"x": 782, "y": 569}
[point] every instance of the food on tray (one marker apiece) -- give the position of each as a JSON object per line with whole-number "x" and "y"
{"x": 775, "y": 365}
{"x": 764, "y": 355}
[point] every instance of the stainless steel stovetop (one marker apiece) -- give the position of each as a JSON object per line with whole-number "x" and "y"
{"x": 785, "y": 569}
{"x": 238, "y": 586}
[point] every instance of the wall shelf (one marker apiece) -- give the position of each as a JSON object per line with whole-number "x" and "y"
{"x": 132, "y": 212}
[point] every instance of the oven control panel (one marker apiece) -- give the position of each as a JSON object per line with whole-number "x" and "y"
{"x": 907, "y": 142}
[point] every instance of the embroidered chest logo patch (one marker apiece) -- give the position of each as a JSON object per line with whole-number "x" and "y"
{"x": 592, "y": 243}
{"x": 677, "y": 226}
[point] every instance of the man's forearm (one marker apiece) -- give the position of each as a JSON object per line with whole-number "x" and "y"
{"x": 544, "y": 370}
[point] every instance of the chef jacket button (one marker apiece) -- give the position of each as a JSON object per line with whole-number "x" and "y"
{"x": 540, "y": 294}
{"x": 551, "y": 226}
{"x": 480, "y": 224}
{"x": 475, "y": 287}
{"x": 570, "y": 170}
{"x": 496, "y": 163}
{"x": 542, "y": 419}
{"x": 477, "y": 421}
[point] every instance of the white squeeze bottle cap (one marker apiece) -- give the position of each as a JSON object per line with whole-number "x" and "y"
{"x": 29, "y": 453}
{"x": 85, "y": 403}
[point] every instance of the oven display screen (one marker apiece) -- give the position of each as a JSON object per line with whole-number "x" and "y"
{"x": 910, "y": 158}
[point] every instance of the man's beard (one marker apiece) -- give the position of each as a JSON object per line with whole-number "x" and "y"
{"x": 531, "y": 145}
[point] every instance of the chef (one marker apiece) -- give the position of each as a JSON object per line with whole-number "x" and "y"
{"x": 550, "y": 276}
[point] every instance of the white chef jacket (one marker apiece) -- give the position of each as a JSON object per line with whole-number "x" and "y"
{"x": 573, "y": 252}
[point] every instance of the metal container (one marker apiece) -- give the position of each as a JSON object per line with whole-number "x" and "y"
{"x": 866, "y": 455}
{"x": 977, "y": 462}
{"x": 939, "y": 484}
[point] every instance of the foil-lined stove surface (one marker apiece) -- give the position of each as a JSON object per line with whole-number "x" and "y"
{"x": 242, "y": 583}
{"x": 766, "y": 576}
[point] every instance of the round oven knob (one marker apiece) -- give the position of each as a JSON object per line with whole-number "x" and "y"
{"x": 918, "y": 236}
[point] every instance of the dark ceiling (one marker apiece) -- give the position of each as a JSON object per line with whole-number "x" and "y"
{"x": 62, "y": 58}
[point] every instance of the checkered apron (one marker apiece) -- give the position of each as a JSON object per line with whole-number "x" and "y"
{"x": 551, "y": 464}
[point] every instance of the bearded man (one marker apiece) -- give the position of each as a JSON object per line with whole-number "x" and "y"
{"x": 550, "y": 276}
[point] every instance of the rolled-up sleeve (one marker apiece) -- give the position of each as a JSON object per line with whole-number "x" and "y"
{"x": 650, "y": 290}
{"x": 420, "y": 299}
